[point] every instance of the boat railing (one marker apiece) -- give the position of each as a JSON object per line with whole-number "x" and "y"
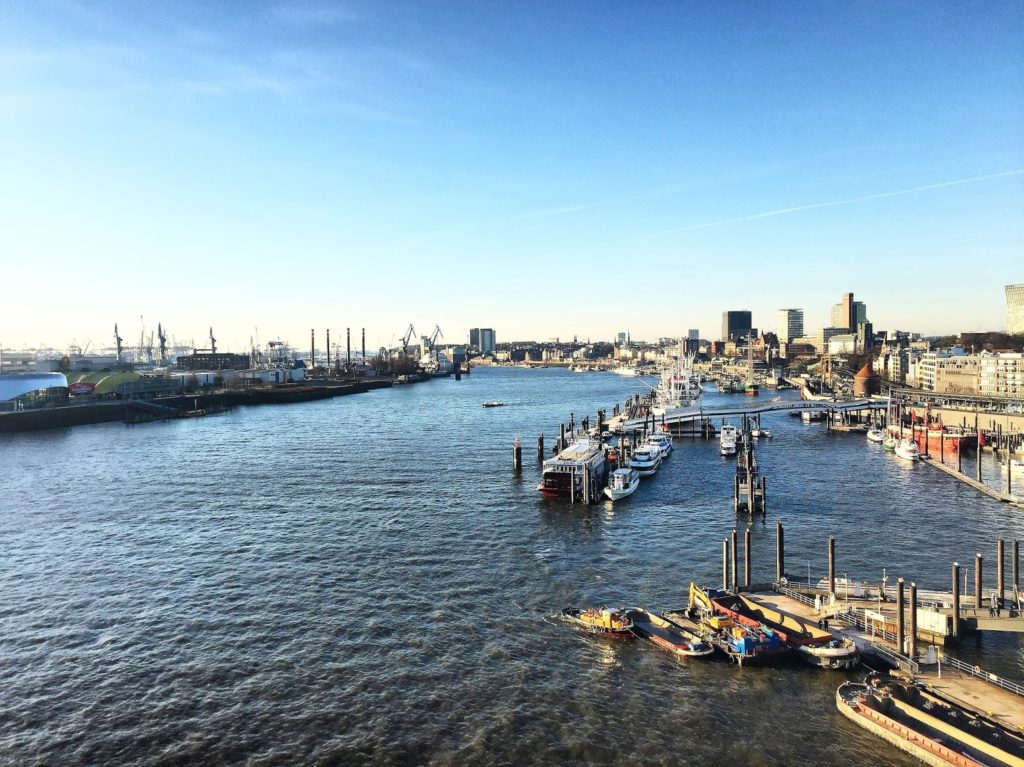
{"x": 980, "y": 673}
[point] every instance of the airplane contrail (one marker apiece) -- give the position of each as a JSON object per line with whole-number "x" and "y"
{"x": 834, "y": 203}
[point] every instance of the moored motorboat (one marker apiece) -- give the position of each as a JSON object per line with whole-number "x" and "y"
{"x": 836, "y": 653}
{"x": 662, "y": 441}
{"x": 727, "y": 440}
{"x": 603, "y": 620}
{"x": 645, "y": 460}
{"x": 622, "y": 483}
{"x": 673, "y": 637}
{"x": 875, "y": 435}
{"x": 889, "y": 443}
{"x": 574, "y": 471}
{"x": 907, "y": 450}
{"x": 811, "y": 416}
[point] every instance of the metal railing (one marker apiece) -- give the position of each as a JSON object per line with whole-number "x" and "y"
{"x": 980, "y": 673}
{"x": 896, "y": 658}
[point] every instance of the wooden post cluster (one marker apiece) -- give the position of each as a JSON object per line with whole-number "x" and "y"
{"x": 746, "y": 558}
{"x": 733, "y": 545}
{"x": 831, "y": 565}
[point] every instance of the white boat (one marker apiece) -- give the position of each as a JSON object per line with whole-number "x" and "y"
{"x": 676, "y": 397}
{"x": 626, "y": 370}
{"x": 1016, "y": 466}
{"x": 645, "y": 460}
{"x": 809, "y": 416}
{"x": 727, "y": 440}
{"x": 876, "y": 435}
{"x": 661, "y": 441}
{"x": 837, "y": 653}
{"x": 907, "y": 450}
{"x": 889, "y": 443}
{"x": 622, "y": 483}
{"x": 575, "y": 470}
{"x": 761, "y": 431}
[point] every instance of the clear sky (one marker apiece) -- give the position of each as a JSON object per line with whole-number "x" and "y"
{"x": 542, "y": 168}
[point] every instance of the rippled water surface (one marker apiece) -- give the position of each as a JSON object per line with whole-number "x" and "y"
{"x": 364, "y": 580}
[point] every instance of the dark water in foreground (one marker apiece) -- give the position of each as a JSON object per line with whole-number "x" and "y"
{"x": 363, "y": 580}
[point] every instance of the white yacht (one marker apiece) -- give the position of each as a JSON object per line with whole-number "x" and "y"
{"x": 727, "y": 440}
{"x": 876, "y": 435}
{"x": 626, "y": 370}
{"x": 622, "y": 483}
{"x": 810, "y": 416}
{"x": 646, "y": 460}
{"x": 662, "y": 441}
{"x": 907, "y": 450}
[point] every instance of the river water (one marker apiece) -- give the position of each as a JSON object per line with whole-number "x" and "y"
{"x": 365, "y": 580}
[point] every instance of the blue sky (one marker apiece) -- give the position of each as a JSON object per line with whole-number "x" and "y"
{"x": 540, "y": 168}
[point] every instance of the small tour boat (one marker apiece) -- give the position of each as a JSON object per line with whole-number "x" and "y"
{"x": 645, "y": 460}
{"x": 662, "y": 441}
{"x": 889, "y": 443}
{"x": 675, "y": 638}
{"x": 727, "y": 440}
{"x": 615, "y": 623}
{"x": 493, "y": 403}
{"x": 875, "y": 435}
{"x": 622, "y": 483}
{"x": 907, "y": 450}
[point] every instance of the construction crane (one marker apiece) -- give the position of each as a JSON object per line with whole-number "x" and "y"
{"x": 213, "y": 342}
{"x": 433, "y": 337}
{"x": 117, "y": 342}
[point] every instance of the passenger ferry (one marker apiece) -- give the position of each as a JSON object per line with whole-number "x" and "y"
{"x": 565, "y": 474}
{"x": 646, "y": 460}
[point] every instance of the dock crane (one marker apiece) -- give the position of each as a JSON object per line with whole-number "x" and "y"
{"x": 163, "y": 342}
{"x": 406, "y": 338}
{"x": 433, "y": 337}
{"x": 213, "y": 342}
{"x": 117, "y": 342}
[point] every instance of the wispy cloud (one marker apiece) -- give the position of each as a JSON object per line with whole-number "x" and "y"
{"x": 836, "y": 203}
{"x": 304, "y": 14}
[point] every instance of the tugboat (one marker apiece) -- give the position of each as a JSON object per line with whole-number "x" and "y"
{"x": 613, "y": 623}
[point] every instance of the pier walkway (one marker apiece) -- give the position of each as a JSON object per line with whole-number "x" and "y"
{"x": 971, "y": 687}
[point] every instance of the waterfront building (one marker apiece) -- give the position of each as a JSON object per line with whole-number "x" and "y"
{"x": 1015, "y": 309}
{"x": 949, "y": 372}
{"x": 735, "y": 325}
{"x": 1001, "y": 374}
{"x": 21, "y": 391}
{"x": 213, "y": 361}
{"x": 790, "y": 325}
{"x": 821, "y": 339}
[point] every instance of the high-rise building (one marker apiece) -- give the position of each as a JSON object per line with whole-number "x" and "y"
{"x": 1015, "y": 309}
{"x": 488, "y": 344}
{"x": 620, "y": 338}
{"x": 849, "y": 314}
{"x": 791, "y": 324}
{"x": 482, "y": 340}
{"x": 693, "y": 334}
{"x": 735, "y": 324}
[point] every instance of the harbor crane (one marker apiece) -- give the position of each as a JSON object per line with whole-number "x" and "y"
{"x": 213, "y": 342}
{"x": 406, "y": 338}
{"x": 163, "y": 342}
{"x": 433, "y": 337}
{"x": 117, "y": 342}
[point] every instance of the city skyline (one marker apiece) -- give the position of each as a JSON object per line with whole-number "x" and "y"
{"x": 320, "y": 165}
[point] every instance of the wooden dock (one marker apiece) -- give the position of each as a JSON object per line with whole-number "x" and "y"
{"x": 981, "y": 487}
{"x": 970, "y": 686}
